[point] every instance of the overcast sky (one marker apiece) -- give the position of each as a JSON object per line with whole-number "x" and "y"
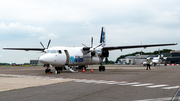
{"x": 24, "y": 23}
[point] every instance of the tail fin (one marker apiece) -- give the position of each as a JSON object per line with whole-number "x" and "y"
{"x": 103, "y": 37}
{"x": 159, "y": 55}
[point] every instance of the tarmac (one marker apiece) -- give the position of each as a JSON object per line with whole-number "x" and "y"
{"x": 117, "y": 83}
{"x": 12, "y": 82}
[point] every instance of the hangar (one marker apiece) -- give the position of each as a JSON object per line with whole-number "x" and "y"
{"x": 167, "y": 58}
{"x": 35, "y": 62}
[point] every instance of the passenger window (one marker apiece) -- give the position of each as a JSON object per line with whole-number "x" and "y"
{"x": 59, "y": 51}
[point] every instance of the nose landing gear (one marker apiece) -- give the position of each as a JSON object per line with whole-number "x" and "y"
{"x": 47, "y": 70}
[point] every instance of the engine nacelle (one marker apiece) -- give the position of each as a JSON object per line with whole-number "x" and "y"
{"x": 93, "y": 53}
{"x": 105, "y": 53}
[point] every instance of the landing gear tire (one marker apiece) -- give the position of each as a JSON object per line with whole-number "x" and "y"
{"x": 100, "y": 68}
{"x": 103, "y": 68}
{"x": 58, "y": 71}
{"x": 47, "y": 71}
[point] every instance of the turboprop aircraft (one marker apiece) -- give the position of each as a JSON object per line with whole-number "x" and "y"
{"x": 68, "y": 57}
{"x": 157, "y": 60}
{"x": 154, "y": 60}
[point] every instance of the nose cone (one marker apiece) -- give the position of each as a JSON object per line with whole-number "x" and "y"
{"x": 43, "y": 60}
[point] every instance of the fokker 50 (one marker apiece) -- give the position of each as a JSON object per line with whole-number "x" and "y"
{"x": 68, "y": 57}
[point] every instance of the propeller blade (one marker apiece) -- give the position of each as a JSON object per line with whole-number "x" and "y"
{"x": 91, "y": 42}
{"x": 48, "y": 43}
{"x": 84, "y": 45}
{"x": 98, "y": 46}
{"x": 42, "y": 45}
{"x": 87, "y": 53}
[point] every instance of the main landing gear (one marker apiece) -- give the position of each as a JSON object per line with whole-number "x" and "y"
{"x": 58, "y": 69}
{"x": 47, "y": 70}
{"x": 101, "y": 68}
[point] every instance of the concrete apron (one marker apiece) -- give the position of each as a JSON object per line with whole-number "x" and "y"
{"x": 12, "y": 83}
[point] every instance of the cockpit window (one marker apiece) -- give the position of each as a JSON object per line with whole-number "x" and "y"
{"x": 59, "y": 51}
{"x": 53, "y": 51}
{"x": 48, "y": 51}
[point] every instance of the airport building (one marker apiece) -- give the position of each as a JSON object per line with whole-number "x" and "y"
{"x": 167, "y": 58}
{"x": 35, "y": 62}
{"x": 173, "y": 57}
{"x": 136, "y": 60}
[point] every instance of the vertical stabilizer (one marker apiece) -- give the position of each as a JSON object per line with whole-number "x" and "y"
{"x": 159, "y": 54}
{"x": 103, "y": 37}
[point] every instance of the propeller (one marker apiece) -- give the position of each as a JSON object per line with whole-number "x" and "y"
{"x": 92, "y": 49}
{"x": 84, "y": 45}
{"x": 47, "y": 45}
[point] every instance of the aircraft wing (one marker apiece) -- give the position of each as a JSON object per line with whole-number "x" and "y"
{"x": 135, "y": 46}
{"x": 26, "y": 49}
{"x": 31, "y": 49}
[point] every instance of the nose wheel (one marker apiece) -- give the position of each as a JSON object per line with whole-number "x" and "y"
{"x": 48, "y": 71}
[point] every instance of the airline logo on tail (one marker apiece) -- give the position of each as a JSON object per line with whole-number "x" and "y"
{"x": 103, "y": 37}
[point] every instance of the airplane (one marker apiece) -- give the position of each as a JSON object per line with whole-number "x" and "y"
{"x": 65, "y": 58}
{"x": 157, "y": 60}
{"x": 154, "y": 60}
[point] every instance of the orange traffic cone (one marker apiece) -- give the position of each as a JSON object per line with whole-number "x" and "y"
{"x": 92, "y": 70}
{"x": 83, "y": 70}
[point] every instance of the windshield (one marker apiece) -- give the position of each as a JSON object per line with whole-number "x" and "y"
{"x": 54, "y": 51}
{"x": 48, "y": 51}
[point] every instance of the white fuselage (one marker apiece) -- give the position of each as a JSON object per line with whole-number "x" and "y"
{"x": 156, "y": 60}
{"x": 71, "y": 56}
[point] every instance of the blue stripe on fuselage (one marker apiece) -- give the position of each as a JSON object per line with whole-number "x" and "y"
{"x": 76, "y": 59}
